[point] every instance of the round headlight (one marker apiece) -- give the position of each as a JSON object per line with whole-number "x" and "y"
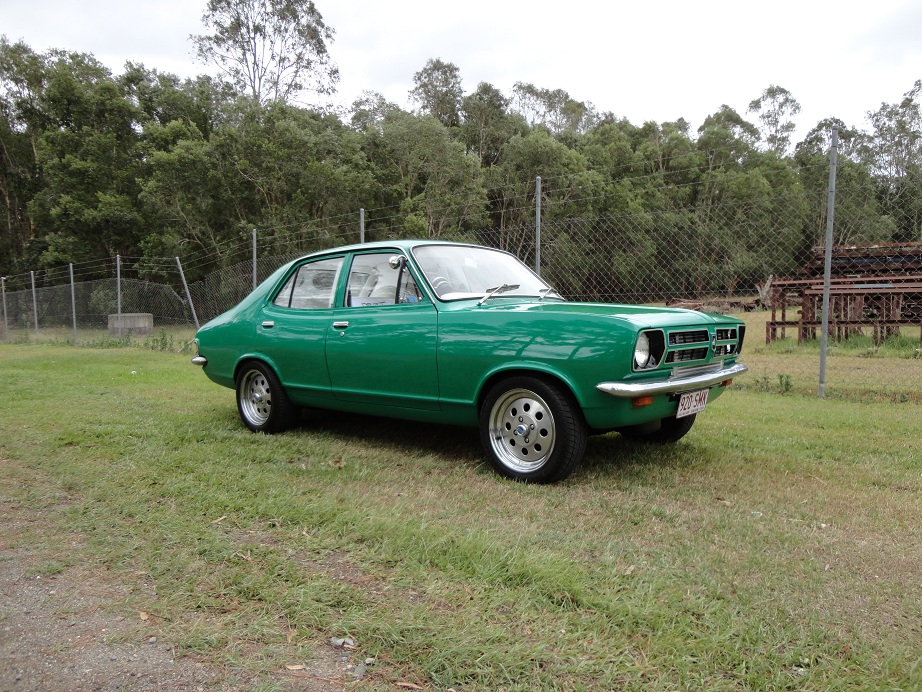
{"x": 641, "y": 352}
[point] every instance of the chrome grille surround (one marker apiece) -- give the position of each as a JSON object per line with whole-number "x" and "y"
{"x": 700, "y": 345}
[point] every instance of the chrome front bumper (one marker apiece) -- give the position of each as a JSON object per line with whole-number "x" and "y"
{"x": 673, "y": 385}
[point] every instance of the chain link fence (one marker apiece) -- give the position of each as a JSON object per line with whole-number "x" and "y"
{"x": 758, "y": 261}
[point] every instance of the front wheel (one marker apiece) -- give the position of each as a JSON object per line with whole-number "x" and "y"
{"x": 532, "y": 430}
{"x": 261, "y": 400}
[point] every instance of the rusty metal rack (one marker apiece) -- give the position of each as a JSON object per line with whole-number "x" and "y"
{"x": 877, "y": 287}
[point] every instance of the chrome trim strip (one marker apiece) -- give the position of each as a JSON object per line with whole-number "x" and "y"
{"x": 200, "y": 360}
{"x": 684, "y": 384}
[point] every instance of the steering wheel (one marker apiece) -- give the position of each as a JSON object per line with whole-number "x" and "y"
{"x": 440, "y": 285}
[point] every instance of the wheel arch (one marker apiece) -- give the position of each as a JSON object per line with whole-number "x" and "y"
{"x": 259, "y": 358}
{"x": 544, "y": 374}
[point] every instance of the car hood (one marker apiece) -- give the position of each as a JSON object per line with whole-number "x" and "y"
{"x": 639, "y": 316}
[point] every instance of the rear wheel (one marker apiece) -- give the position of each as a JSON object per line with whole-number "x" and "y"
{"x": 261, "y": 400}
{"x": 671, "y": 430}
{"x": 532, "y": 430}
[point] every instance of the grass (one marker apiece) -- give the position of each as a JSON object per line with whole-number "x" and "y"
{"x": 776, "y": 547}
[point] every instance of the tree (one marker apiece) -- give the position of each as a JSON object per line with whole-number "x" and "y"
{"x": 554, "y": 109}
{"x": 725, "y": 137}
{"x": 487, "y": 123}
{"x": 369, "y": 109}
{"x": 898, "y": 136}
{"x": 512, "y": 187}
{"x": 163, "y": 98}
{"x": 441, "y": 186}
{"x": 438, "y": 91}
{"x": 854, "y": 144}
{"x": 270, "y": 49}
{"x": 897, "y": 161}
{"x": 285, "y": 170}
{"x": 22, "y": 75}
{"x": 776, "y": 106}
{"x": 858, "y": 217}
{"x": 91, "y": 161}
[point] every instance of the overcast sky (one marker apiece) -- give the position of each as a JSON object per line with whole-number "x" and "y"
{"x": 640, "y": 60}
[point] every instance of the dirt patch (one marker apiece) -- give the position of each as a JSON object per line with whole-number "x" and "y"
{"x": 68, "y": 626}
{"x": 56, "y": 633}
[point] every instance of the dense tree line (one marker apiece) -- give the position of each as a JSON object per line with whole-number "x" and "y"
{"x": 144, "y": 164}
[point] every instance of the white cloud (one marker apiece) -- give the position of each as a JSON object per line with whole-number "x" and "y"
{"x": 643, "y": 61}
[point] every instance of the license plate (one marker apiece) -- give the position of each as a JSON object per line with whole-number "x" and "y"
{"x": 692, "y": 402}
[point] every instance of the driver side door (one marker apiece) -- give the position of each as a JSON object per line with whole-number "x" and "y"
{"x": 381, "y": 349}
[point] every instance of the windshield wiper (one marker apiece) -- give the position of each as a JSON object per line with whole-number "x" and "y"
{"x": 545, "y": 292}
{"x": 496, "y": 290}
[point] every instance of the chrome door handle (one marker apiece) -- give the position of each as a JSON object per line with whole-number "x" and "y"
{"x": 340, "y": 325}
{"x": 268, "y": 324}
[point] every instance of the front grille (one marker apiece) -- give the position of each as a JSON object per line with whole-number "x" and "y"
{"x": 726, "y": 334}
{"x": 683, "y": 371}
{"x": 699, "y": 336}
{"x": 687, "y": 355}
{"x": 724, "y": 350}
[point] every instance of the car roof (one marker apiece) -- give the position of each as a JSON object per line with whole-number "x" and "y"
{"x": 400, "y": 244}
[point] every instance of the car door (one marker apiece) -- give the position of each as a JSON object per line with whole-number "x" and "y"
{"x": 382, "y": 345}
{"x": 294, "y": 327}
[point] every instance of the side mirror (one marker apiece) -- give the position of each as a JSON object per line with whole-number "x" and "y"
{"x": 397, "y": 262}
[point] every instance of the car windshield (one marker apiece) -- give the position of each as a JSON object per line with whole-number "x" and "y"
{"x": 456, "y": 272}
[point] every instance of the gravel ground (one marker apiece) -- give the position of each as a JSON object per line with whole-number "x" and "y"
{"x": 66, "y": 628}
{"x": 56, "y": 634}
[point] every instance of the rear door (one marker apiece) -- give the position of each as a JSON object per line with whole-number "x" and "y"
{"x": 294, "y": 328}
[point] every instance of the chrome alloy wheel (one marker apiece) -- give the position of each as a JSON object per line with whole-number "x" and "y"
{"x": 522, "y": 431}
{"x": 255, "y": 395}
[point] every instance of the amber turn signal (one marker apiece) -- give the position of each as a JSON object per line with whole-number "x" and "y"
{"x": 639, "y": 401}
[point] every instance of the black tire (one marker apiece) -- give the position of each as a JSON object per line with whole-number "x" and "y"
{"x": 532, "y": 430}
{"x": 261, "y": 400}
{"x": 671, "y": 430}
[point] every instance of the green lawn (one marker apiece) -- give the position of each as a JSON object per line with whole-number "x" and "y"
{"x": 777, "y": 546}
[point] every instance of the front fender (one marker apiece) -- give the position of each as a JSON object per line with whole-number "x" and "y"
{"x": 529, "y": 368}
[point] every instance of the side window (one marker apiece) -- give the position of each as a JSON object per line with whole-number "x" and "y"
{"x": 373, "y": 281}
{"x": 312, "y": 286}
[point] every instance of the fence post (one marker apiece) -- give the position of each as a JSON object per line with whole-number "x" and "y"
{"x": 34, "y": 302}
{"x": 73, "y": 302}
{"x": 118, "y": 293}
{"x": 6, "y": 326}
{"x": 361, "y": 225}
{"x": 185, "y": 286}
{"x": 827, "y": 259}
{"x": 538, "y": 225}
{"x": 254, "y": 259}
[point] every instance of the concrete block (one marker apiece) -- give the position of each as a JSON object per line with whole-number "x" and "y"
{"x": 134, "y": 323}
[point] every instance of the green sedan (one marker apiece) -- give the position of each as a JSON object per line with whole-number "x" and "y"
{"x": 459, "y": 334}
